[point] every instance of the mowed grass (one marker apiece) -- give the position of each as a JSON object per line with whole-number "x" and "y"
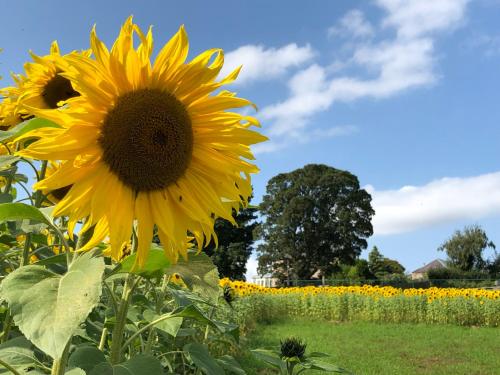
{"x": 383, "y": 349}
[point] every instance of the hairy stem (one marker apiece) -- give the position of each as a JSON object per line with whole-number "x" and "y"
{"x": 59, "y": 365}
{"x": 121, "y": 319}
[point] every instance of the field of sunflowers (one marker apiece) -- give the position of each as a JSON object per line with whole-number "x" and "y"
{"x": 470, "y": 307}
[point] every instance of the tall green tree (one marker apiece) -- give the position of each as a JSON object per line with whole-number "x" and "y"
{"x": 235, "y": 244}
{"x": 381, "y": 267}
{"x": 465, "y": 248}
{"x": 375, "y": 261}
{"x": 317, "y": 217}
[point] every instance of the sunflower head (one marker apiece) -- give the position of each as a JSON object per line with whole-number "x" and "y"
{"x": 44, "y": 86}
{"x": 153, "y": 144}
{"x": 9, "y": 115}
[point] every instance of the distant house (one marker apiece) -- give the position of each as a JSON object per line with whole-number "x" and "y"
{"x": 266, "y": 280}
{"x": 421, "y": 273}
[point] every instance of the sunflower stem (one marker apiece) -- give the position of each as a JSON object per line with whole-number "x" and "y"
{"x": 102, "y": 341}
{"x": 59, "y": 365}
{"x": 121, "y": 319}
{"x": 39, "y": 195}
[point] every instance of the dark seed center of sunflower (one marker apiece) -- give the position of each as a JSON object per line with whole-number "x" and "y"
{"x": 56, "y": 90}
{"x": 147, "y": 139}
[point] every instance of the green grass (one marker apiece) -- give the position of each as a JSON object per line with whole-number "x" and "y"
{"x": 383, "y": 349}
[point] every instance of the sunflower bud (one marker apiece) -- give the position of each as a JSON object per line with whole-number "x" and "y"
{"x": 292, "y": 347}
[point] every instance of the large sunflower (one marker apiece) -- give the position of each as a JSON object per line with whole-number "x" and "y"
{"x": 148, "y": 144}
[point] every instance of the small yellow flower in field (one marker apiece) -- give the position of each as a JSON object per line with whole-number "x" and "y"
{"x": 148, "y": 143}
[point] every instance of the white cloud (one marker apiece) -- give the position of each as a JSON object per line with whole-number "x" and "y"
{"x": 414, "y": 18}
{"x": 441, "y": 201}
{"x": 260, "y": 63}
{"x": 352, "y": 24}
{"x": 388, "y": 66}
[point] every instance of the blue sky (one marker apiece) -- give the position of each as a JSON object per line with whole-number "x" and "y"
{"x": 402, "y": 93}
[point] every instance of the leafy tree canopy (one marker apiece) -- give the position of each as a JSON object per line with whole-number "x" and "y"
{"x": 381, "y": 266}
{"x": 235, "y": 244}
{"x": 465, "y": 248}
{"x": 317, "y": 217}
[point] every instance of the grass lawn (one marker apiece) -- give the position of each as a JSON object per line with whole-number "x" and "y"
{"x": 383, "y": 349}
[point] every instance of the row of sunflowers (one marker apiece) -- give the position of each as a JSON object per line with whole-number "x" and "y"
{"x": 386, "y": 304}
{"x": 243, "y": 288}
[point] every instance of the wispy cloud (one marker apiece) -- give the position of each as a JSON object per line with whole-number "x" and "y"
{"x": 353, "y": 24}
{"x": 386, "y": 67}
{"x": 260, "y": 63}
{"x": 441, "y": 201}
{"x": 334, "y": 131}
{"x": 488, "y": 44}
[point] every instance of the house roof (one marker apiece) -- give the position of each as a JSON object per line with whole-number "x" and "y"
{"x": 436, "y": 263}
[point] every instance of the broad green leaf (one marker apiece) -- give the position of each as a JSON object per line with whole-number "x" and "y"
{"x": 102, "y": 369}
{"x": 75, "y": 371}
{"x": 86, "y": 358}
{"x": 184, "y": 297}
{"x": 17, "y": 353}
{"x": 21, "y": 211}
{"x": 199, "y": 274}
{"x": 317, "y": 355}
{"x": 325, "y": 366}
{"x": 229, "y": 364}
{"x": 139, "y": 365}
{"x": 7, "y": 160}
{"x": 25, "y": 127}
{"x": 48, "y": 308}
{"x": 156, "y": 264}
{"x": 202, "y": 359}
{"x": 228, "y": 329}
{"x": 6, "y": 198}
{"x": 170, "y": 326}
{"x": 268, "y": 356}
{"x": 56, "y": 259}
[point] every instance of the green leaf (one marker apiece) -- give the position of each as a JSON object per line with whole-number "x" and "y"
{"x": 87, "y": 358}
{"x": 139, "y": 365}
{"x": 268, "y": 356}
{"x": 325, "y": 366}
{"x": 156, "y": 264}
{"x": 17, "y": 353}
{"x": 6, "y": 198}
{"x": 21, "y": 211}
{"x": 317, "y": 355}
{"x": 170, "y": 326}
{"x": 7, "y": 160}
{"x": 75, "y": 371}
{"x": 48, "y": 308}
{"x": 25, "y": 127}
{"x": 184, "y": 297}
{"x": 229, "y": 364}
{"x": 199, "y": 274}
{"x": 201, "y": 358}
{"x": 55, "y": 259}
{"x": 228, "y": 329}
